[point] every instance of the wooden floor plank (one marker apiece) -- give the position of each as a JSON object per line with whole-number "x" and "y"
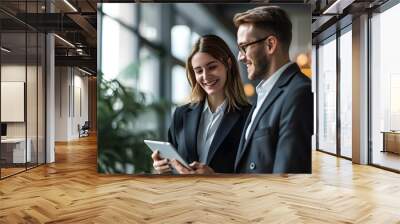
{"x": 71, "y": 191}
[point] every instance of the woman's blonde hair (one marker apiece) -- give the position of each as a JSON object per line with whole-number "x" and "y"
{"x": 233, "y": 89}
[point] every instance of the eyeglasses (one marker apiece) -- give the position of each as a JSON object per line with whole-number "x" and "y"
{"x": 242, "y": 47}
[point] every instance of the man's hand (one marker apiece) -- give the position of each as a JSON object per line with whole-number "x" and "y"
{"x": 200, "y": 168}
{"x": 196, "y": 168}
{"x": 181, "y": 168}
{"x": 160, "y": 165}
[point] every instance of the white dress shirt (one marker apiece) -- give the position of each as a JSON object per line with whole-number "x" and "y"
{"x": 263, "y": 89}
{"x": 209, "y": 123}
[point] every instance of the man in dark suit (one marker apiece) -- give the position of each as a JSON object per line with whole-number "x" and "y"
{"x": 277, "y": 133}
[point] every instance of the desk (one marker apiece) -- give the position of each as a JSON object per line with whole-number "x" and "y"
{"x": 16, "y": 148}
{"x": 391, "y": 141}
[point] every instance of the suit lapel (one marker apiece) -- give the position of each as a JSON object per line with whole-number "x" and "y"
{"x": 228, "y": 121}
{"x": 243, "y": 136}
{"x": 272, "y": 96}
{"x": 191, "y": 122}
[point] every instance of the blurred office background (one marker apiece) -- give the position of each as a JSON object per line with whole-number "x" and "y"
{"x": 48, "y": 79}
{"x": 357, "y": 81}
{"x": 143, "y": 48}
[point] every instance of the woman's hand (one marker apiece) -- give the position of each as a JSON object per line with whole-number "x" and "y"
{"x": 160, "y": 165}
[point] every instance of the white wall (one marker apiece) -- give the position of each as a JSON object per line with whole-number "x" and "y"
{"x": 14, "y": 73}
{"x": 79, "y": 117}
{"x": 62, "y": 82}
{"x": 71, "y": 102}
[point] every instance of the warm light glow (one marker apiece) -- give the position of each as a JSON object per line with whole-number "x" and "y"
{"x": 302, "y": 60}
{"x": 249, "y": 89}
{"x": 307, "y": 72}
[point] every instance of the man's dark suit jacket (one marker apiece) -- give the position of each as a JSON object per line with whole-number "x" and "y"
{"x": 279, "y": 140}
{"x": 222, "y": 153}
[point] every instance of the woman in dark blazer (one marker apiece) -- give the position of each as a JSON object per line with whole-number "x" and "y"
{"x": 206, "y": 132}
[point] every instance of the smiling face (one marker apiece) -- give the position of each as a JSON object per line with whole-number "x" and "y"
{"x": 210, "y": 73}
{"x": 255, "y": 58}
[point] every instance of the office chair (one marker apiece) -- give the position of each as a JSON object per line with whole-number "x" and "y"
{"x": 84, "y": 130}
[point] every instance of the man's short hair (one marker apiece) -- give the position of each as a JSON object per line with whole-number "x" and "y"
{"x": 269, "y": 18}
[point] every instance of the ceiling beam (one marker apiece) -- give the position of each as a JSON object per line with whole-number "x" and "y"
{"x": 83, "y": 61}
{"x": 84, "y": 24}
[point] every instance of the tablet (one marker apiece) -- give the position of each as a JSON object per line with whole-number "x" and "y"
{"x": 166, "y": 150}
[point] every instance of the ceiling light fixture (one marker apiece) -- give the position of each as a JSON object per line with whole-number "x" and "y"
{"x": 80, "y": 51}
{"x": 84, "y": 71}
{"x": 70, "y": 5}
{"x": 337, "y": 7}
{"x": 5, "y": 50}
{"x": 65, "y": 41}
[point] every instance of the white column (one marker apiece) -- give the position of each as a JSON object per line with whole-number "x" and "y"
{"x": 360, "y": 90}
{"x": 50, "y": 99}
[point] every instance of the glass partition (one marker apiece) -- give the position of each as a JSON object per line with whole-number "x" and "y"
{"x": 346, "y": 93}
{"x": 385, "y": 89}
{"x": 327, "y": 96}
{"x": 22, "y": 87}
{"x": 15, "y": 151}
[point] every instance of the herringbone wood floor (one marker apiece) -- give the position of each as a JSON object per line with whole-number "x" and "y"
{"x": 70, "y": 191}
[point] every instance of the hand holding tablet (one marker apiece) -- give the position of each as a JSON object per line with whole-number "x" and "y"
{"x": 166, "y": 151}
{"x": 164, "y": 155}
{"x": 161, "y": 165}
